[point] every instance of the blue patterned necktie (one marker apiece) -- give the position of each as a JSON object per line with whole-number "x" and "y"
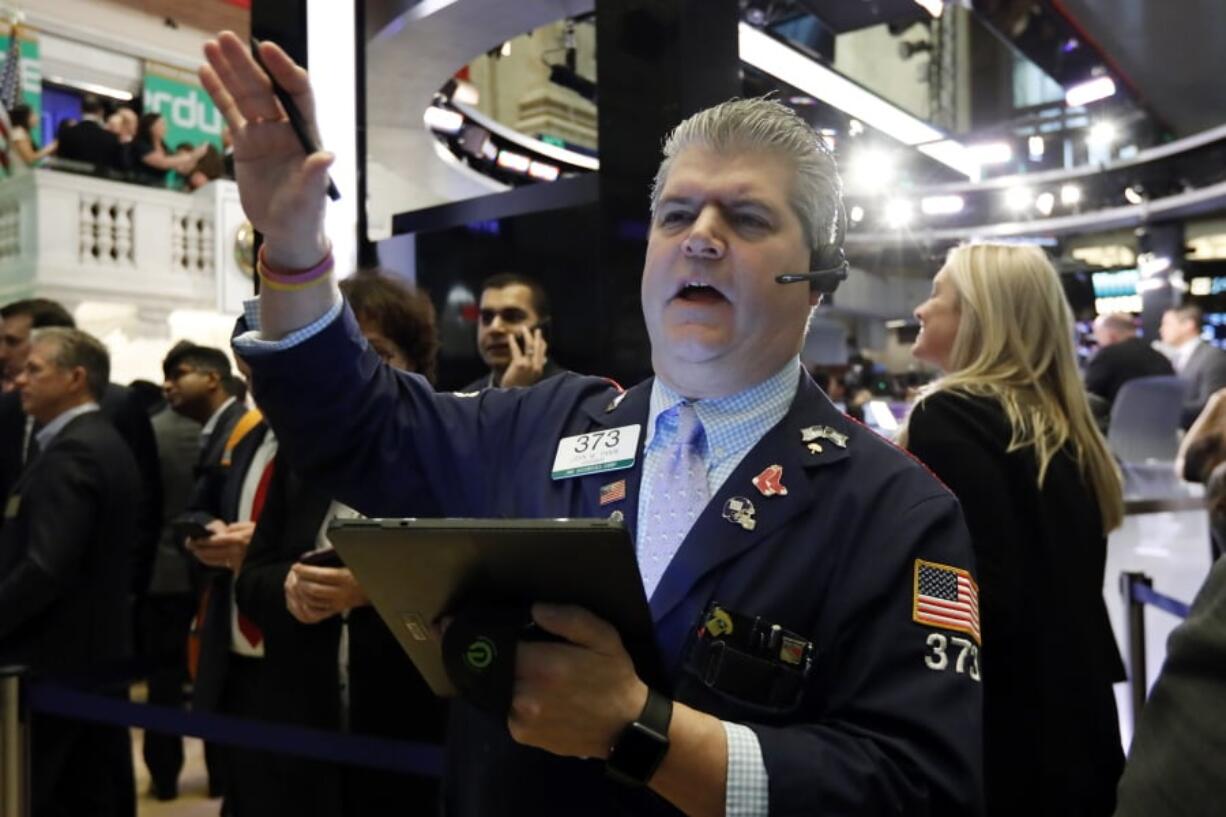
{"x": 676, "y": 494}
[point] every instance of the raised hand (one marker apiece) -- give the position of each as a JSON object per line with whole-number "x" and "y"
{"x": 281, "y": 188}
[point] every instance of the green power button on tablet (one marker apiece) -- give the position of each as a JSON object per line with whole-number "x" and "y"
{"x": 480, "y": 654}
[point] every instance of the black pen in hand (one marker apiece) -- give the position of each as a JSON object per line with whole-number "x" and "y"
{"x": 293, "y": 114}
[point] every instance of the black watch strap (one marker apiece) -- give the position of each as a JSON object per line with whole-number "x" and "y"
{"x": 641, "y": 747}
{"x": 657, "y": 712}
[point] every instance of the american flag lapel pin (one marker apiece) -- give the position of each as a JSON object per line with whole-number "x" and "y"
{"x": 613, "y": 492}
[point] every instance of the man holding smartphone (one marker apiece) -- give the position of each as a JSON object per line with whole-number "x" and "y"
{"x": 511, "y": 333}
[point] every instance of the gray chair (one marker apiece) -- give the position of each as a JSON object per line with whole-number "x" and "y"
{"x": 1145, "y": 419}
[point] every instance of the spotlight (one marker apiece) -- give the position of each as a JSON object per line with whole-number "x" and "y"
{"x": 1087, "y": 92}
{"x": 1045, "y": 202}
{"x": 856, "y": 214}
{"x": 1035, "y": 146}
{"x": 1070, "y": 195}
{"x": 941, "y": 205}
{"x": 1018, "y": 199}
{"x": 441, "y": 119}
{"x": 1101, "y": 134}
{"x": 513, "y": 161}
{"x": 870, "y": 171}
{"x": 898, "y": 213}
{"x": 991, "y": 153}
{"x": 543, "y": 171}
{"x": 855, "y": 127}
{"x": 1135, "y": 194}
{"x": 505, "y": 51}
{"x": 465, "y": 92}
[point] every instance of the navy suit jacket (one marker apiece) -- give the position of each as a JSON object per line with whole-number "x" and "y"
{"x": 879, "y": 729}
{"x": 64, "y": 553}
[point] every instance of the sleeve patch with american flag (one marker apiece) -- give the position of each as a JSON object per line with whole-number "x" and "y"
{"x": 945, "y": 597}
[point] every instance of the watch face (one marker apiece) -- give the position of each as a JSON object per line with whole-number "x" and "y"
{"x": 637, "y": 754}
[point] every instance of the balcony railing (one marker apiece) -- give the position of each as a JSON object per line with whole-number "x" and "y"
{"x": 80, "y": 238}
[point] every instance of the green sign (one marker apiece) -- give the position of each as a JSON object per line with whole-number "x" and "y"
{"x": 31, "y": 79}
{"x": 189, "y": 113}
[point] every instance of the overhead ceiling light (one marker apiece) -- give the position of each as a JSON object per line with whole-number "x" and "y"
{"x": 991, "y": 153}
{"x": 513, "y": 161}
{"x": 1070, "y": 195}
{"x": 1133, "y": 194}
{"x": 789, "y": 65}
{"x": 855, "y": 127}
{"x": 1087, "y": 92}
{"x": 953, "y": 154}
{"x": 1035, "y": 146}
{"x": 441, "y": 119}
{"x": 779, "y": 60}
{"x": 1018, "y": 199}
{"x": 898, "y": 213}
{"x": 1045, "y": 202}
{"x": 856, "y": 214}
{"x": 941, "y": 205}
{"x": 1102, "y": 133}
{"x": 543, "y": 171}
{"x": 933, "y": 7}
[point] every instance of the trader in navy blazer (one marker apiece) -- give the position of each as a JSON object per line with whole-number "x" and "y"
{"x": 845, "y": 560}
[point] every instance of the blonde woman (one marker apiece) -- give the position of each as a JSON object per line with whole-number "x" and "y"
{"x": 1008, "y": 429}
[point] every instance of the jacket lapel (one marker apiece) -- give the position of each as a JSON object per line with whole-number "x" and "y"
{"x": 625, "y": 409}
{"x": 717, "y": 537}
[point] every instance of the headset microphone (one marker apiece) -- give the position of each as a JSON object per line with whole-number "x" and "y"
{"x": 829, "y": 263}
{"x": 820, "y": 280}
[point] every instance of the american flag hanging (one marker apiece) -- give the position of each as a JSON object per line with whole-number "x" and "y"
{"x": 946, "y": 597}
{"x": 10, "y": 90}
{"x": 10, "y": 80}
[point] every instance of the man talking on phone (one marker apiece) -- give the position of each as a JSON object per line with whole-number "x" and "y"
{"x": 511, "y": 333}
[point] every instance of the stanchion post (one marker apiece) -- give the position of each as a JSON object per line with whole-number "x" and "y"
{"x": 1135, "y": 618}
{"x": 14, "y": 744}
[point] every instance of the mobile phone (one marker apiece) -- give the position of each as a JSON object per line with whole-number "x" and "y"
{"x": 322, "y": 557}
{"x": 542, "y": 325}
{"x": 191, "y": 525}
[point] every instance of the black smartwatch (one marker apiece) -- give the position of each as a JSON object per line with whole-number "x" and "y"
{"x": 641, "y": 747}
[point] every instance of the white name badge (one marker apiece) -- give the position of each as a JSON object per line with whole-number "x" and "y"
{"x": 609, "y": 449}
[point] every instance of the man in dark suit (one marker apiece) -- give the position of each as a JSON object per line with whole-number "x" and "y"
{"x": 1121, "y": 357}
{"x": 1175, "y": 763}
{"x": 511, "y": 330}
{"x": 64, "y": 569}
{"x": 165, "y": 614}
{"x": 118, "y": 405}
{"x": 196, "y": 384}
{"x": 744, "y": 490}
{"x": 89, "y": 140}
{"x": 1200, "y": 365}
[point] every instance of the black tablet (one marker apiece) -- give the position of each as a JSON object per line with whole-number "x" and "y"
{"x": 415, "y": 571}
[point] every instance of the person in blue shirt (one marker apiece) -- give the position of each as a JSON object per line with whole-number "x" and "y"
{"x": 753, "y": 503}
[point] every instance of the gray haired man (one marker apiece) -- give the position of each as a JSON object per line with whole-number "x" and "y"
{"x": 64, "y": 570}
{"x": 755, "y": 506}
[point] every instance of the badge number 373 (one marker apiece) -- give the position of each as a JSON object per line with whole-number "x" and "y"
{"x": 945, "y": 650}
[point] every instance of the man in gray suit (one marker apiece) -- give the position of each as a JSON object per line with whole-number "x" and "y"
{"x": 167, "y": 610}
{"x": 1200, "y": 365}
{"x": 1175, "y": 764}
